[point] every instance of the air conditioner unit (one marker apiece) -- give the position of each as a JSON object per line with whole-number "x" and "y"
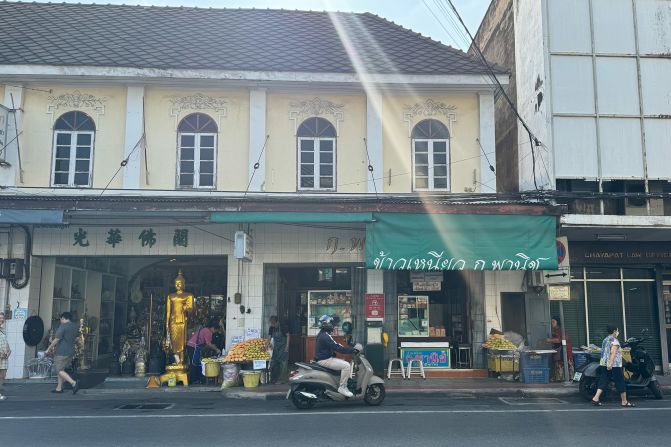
{"x": 535, "y": 278}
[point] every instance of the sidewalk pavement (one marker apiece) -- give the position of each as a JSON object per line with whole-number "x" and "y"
{"x": 30, "y": 389}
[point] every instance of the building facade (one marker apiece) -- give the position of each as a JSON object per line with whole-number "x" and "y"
{"x": 589, "y": 78}
{"x": 263, "y": 169}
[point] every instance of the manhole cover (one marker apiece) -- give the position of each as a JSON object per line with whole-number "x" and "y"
{"x": 531, "y": 400}
{"x": 145, "y": 407}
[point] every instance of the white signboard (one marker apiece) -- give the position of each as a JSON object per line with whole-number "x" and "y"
{"x": 237, "y": 339}
{"x": 259, "y": 364}
{"x": 560, "y": 292}
{"x": 251, "y": 333}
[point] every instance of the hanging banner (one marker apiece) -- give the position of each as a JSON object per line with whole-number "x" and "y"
{"x": 400, "y": 241}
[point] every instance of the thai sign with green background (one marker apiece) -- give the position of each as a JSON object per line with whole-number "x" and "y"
{"x": 400, "y": 241}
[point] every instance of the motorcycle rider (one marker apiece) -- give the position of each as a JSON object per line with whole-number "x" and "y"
{"x": 325, "y": 350}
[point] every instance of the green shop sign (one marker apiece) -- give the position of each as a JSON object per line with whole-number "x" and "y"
{"x": 399, "y": 241}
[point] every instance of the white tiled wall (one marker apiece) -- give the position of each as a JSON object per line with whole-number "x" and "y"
{"x": 281, "y": 244}
{"x": 14, "y": 330}
{"x": 495, "y": 284}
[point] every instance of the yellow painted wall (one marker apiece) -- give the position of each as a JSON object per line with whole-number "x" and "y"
{"x": 36, "y": 141}
{"x": 281, "y": 150}
{"x": 161, "y": 131}
{"x": 464, "y": 149}
{"x": 2, "y": 95}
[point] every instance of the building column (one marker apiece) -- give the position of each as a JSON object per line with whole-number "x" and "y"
{"x": 374, "y": 140}
{"x": 134, "y": 131}
{"x": 13, "y": 100}
{"x": 488, "y": 143}
{"x": 257, "y": 139}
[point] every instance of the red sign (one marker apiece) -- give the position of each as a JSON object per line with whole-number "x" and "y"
{"x": 374, "y": 306}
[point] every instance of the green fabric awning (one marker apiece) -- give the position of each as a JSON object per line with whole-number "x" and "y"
{"x": 288, "y": 217}
{"x": 399, "y": 241}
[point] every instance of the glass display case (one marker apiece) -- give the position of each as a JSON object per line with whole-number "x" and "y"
{"x": 336, "y": 303}
{"x": 413, "y": 316}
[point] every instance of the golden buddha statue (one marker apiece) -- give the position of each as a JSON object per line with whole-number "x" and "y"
{"x": 178, "y": 307}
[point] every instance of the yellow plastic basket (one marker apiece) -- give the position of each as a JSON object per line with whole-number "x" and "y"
{"x": 251, "y": 378}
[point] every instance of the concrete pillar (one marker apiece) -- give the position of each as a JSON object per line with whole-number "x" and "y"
{"x": 374, "y": 139}
{"x": 13, "y": 100}
{"x": 257, "y": 139}
{"x": 134, "y": 129}
{"x": 488, "y": 142}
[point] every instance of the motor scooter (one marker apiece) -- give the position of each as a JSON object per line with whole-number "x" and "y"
{"x": 313, "y": 383}
{"x": 641, "y": 368}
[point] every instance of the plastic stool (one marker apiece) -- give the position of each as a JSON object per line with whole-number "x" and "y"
{"x": 464, "y": 359}
{"x": 421, "y": 368}
{"x": 400, "y": 369}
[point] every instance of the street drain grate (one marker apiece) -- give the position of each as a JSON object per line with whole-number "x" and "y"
{"x": 531, "y": 400}
{"x": 145, "y": 407}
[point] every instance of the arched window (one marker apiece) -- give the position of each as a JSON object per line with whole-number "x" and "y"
{"x": 74, "y": 135}
{"x": 316, "y": 154}
{"x": 197, "y": 151}
{"x": 431, "y": 156}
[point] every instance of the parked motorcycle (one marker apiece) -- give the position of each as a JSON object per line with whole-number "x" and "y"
{"x": 313, "y": 383}
{"x": 641, "y": 367}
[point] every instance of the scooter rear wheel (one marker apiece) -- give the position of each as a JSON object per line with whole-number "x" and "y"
{"x": 588, "y": 387}
{"x": 656, "y": 390}
{"x": 374, "y": 394}
{"x": 301, "y": 402}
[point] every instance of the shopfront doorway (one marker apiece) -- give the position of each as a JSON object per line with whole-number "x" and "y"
{"x": 513, "y": 313}
{"x": 299, "y": 295}
{"x": 124, "y": 297}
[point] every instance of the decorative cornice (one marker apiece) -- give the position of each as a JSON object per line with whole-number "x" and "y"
{"x": 76, "y": 100}
{"x": 317, "y": 106}
{"x": 197, "y": 102}
{"x": 429, "y": 108}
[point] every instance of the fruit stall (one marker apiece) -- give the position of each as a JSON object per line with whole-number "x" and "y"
{"x": 531, "y": 366}
{"x": 249, "y": 358}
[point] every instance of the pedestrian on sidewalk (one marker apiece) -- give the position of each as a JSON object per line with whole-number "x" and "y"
{"x": 63, "y": 346}
{"x": 5, "y": 352}
{"x": 200, "y": 346}
{"x": 558, "y": 357}
{"x": 611, "y": 368}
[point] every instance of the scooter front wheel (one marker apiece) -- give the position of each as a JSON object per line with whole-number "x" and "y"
{"x": 374, "y": 394}
{"x": 301, "y": 402}
{"x": 588, "y": 387}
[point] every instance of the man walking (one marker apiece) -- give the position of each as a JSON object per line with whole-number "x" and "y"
{"x": 63, "y": 346}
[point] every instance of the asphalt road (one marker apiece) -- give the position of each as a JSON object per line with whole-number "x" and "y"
{"x": 207, "y": 419}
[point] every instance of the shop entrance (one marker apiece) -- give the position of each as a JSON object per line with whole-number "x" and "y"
{"x": 124, "y": 298}
{"x": 303, "y": 295}
{"x": 513, "y": 313}
{"x": 433, "y": 316}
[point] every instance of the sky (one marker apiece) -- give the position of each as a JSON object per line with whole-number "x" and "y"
{"x": 413, "y": 14}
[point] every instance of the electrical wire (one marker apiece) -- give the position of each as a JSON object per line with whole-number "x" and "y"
{"x": 123, "y": 163}
{"x": 491, "y": 168}
{"x": 256, "y": 165}
{"x": 370, "y": 166}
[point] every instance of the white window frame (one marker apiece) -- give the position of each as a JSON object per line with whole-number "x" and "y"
{"x": 74, "y": 137}
{"x": 430, "y": 153}
{"x": 316, "y": 164}
{"x": 196, "y": 160}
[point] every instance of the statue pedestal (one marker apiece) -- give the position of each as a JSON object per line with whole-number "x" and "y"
{"x": 180, "y": 374}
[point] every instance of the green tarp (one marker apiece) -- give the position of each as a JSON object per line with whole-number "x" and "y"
{"x": 399, "y": 241}
{"x": 288, "y": 217}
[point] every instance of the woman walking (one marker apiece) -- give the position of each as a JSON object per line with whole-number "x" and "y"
{"x": 611, "y": 368}
{"x": 5, "y": 352}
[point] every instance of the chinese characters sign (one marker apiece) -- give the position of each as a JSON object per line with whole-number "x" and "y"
{"x": 147, "y": 237}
